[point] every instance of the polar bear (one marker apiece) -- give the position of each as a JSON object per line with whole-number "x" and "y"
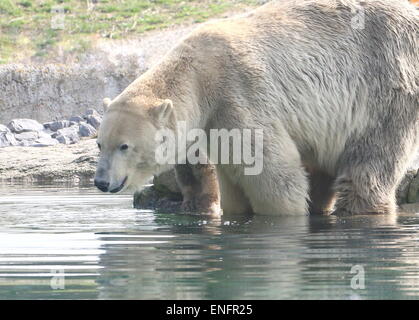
{"x": 332, "y": 84}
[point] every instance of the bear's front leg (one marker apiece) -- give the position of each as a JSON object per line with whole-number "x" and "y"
{"x": 207, "y": 200}
{"x": 199, "y": 187}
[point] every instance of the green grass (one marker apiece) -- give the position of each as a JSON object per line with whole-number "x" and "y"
{"x": 26, "y": 27}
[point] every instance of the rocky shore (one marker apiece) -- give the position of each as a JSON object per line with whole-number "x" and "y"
{"x": 57, "y": 163}
{"x": 29, "y": 132}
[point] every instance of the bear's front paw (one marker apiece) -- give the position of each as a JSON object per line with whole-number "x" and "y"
{"x": 208, "y": 206}
{"x": 214, "y": 211}
{"x": 188, "y": 206}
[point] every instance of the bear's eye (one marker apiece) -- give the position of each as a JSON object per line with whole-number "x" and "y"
{"x": 123, "y": 147}
{"x": 99, "y": 146}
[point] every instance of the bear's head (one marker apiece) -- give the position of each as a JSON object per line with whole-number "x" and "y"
{"x": 127, "y": 142}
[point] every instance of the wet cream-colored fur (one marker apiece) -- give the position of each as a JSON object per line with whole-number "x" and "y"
{"x": 338, "y": 105}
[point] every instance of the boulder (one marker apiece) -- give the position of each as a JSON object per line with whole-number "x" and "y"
{"x": 67, "y": 135}
{"x": 164, "y": 194}
{"x": 166, "y": 182}
{"x": 413, "y": 191}
{"x": 7, "y": 138}
{"x": 408, "y": 191}
{"x": 76, "y": 119}
{"x": 91, "y": 112}
{"x": 35, "y": 138}
{"x": 27, "y": 136}
{"x": 86, "y": 130}
{"x": 94, "y": 120}
{"x": 45, "y": 142}
{"x": 404, "y": 186}
{"x": 57, "y": 125}
{"x": 4, "y": 129}
{"x": 152, "y": 199}
{"x": 24, "y": 125}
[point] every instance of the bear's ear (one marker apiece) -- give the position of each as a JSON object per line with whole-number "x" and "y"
{"x": 163, "y": 112}
{"x": 106, "y": 103}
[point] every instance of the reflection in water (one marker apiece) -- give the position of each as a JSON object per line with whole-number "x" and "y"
{"x": 96, "y": 246}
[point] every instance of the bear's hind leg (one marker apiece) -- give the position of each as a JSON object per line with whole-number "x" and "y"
{"x": 282, "y": 186}
{"x": 322, "y": 195}
{"x": 233, "y": 200}
{"x": 372, "y": 167}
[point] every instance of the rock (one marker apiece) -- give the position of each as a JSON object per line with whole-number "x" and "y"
{"x": 410, "y": 207}
{"x": 408, "y": 189}
{"x": 86, "y": 159}
{"x": 413, "y": 192}
{"x": 45, "y": 142}
{"x": 7, "y": 139}
{"x": 26, "y": 143}
{"x": 76, "y": 119}
{"x": 151, "y": 198}
{"x": 27, "y": 136}
{"x": 57, "y": 125}
{"x": 166, "y": 182}
{"x": 164, "y": 194}
{"x": 91, "y": 112}
{"x": 94, "y": 120}
{"x": 67, "y": 135}
{"x": 4, "y": 129}
{"x": 24, "y": 125}
{"x": 56, "y": 164}
{"x": 145, "y": 199}
{"x": 403, "y": 189}
{"x": 35, "y": 139}
{"x": 86, "y": 130}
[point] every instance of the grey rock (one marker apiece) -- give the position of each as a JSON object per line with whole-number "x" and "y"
{"x": 26, "y": 143}
{"x": 67, "y": 135}
{"x": 167, "y": 181}
{"x": 86, "y": 130}
{"x": 4, "y": 129}
{"x": 153, "y": 199}
{"x": 94, "y": 120}
{"x": 413, "y": 193}
{"x": 410, "y": 207}
{"x": 7, "y": 139}
{"x": 45, "y": 142}
{"x": 76, "y": 119}
{"x": 27, "y": 136}
{"x": 57, "y": 125}
{"x": 91, "y": 112}
{"x": 24, "y": 125}
{"x": 403, "y": 189}
{"x": 164, "y": 194}
{"x": 408, "y": 190}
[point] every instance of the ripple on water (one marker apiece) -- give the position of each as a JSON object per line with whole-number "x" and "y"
{"x": 66, "y": 242}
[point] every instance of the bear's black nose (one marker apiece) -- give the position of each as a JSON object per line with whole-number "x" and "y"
{"x": 102, "y": 185}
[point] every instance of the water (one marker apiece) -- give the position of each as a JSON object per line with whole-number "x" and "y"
{"x": 60, "y": 242}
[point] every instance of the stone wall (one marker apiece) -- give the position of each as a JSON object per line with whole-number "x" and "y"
{"x": 47, "y": 92}
{"x": 53, "y": 92}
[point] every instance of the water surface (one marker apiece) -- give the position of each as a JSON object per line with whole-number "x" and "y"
{"x": 63, "y": 242}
